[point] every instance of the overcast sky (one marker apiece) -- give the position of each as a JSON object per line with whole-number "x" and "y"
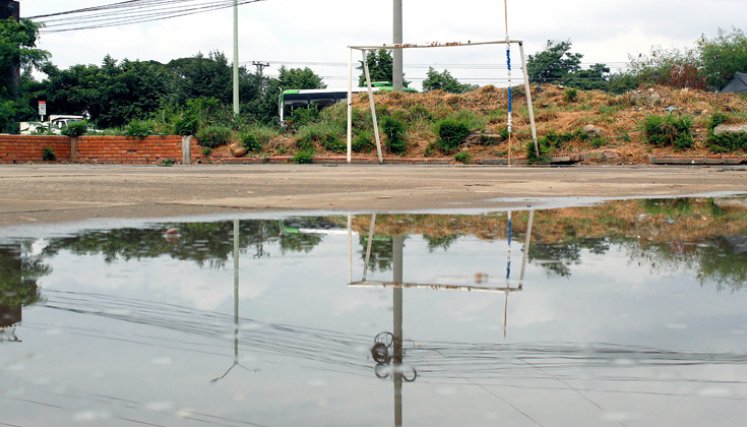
{"x": 318, "y": 31}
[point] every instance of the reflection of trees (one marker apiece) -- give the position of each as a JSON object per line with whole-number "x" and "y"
{"x": 381, "y": 252}
{"x": 557, "y": 258}
{"x": 18, "y": 277}
{"x": 204, "y": 243}
{"x": 443, "y": 242}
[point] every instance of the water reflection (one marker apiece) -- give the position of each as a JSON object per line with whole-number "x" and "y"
{"x": 619, "y": 313}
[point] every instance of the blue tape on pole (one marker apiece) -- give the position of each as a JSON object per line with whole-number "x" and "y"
{"x": 510, "y": 91}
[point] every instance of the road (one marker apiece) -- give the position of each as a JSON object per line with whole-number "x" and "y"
{"x": 48, "y": 194}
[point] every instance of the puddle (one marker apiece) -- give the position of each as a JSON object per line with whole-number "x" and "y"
{"x": 627, "y": 313}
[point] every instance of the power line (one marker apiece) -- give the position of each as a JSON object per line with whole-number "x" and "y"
{"x": 127, "y": 13}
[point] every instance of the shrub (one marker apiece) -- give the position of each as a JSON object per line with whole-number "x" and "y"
{"x": 504, "y": 133}
{"x": 304, "y": 116}
{"x": 364, "y": 142}
{"x": 48, "y": 155}
{"x": 451, "y": 134}
{"x": 544, "y": 152}
{"x": 206, "y": 151}
{"x": 325, "y": 134}
{"x": 724, "y": 142}
{"x": 570, "y": 96}
{"x": 186, "y": 125}
{"x": 256, "y": 137}
{"x": 214, "y": 136}
{"x": 75, "y": 129}
{"x": 394, "y": 129}
{"x": 168, "y": 162}
{"x": 669, "y": 130}
{"x": 463, "y": 157}
{"x": 140, "y": 128}
{"x": 304, "y": 157}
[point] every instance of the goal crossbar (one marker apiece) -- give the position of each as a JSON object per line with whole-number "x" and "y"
{"x": 364, "y": 52}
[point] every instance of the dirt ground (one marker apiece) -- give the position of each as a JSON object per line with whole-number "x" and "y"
{"x": 36, "y": 194}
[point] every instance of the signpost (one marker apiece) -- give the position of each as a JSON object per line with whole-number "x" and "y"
{"x": 42, "y": 109}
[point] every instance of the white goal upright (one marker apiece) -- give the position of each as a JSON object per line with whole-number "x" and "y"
{"x": 364, "y": 51}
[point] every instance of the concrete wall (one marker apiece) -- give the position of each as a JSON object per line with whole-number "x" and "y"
{"x": 96, "y": 149}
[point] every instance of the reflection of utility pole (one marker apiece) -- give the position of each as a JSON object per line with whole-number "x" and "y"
{"x": 235, "y": 302}
{"x": 398, "y": 243}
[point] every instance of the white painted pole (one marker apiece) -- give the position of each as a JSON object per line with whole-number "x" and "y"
{"x": 350, "y": 106}
{"x": 373, "y": 107}
{"x": 528, "y": 90}
{"x": 236, "y": 108}
{"x": 350, "y": 248}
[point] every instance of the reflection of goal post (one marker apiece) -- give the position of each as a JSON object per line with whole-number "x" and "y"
{"x": 365, "y": 49}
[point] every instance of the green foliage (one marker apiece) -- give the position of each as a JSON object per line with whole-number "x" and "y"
{"x": 140, "y": 128}
{"x": 299, "y": 78}
{"x": 725, "y": 142}
{"x": 544, "y": 152}
{"x": 256, "y": 137}
{"x": 504, "y": 133}
{"x": 723, "y": 56}
{"x": 206, "y": 151}
{"x": 186, "y": 124}
{"x": 595, "y": 77}
{"x": 48, "y": 155}
{"x": 327, "y": 135}
{"x": 304, "y": 156}
{"x": 303, "y": 116}
{"x": 570, "y": 95}
{"x": 380, "y": 65}
{"x": 364, "y": 142}
{"x": 214, "y": 136}
{"x": 669, "y": 67}
{"x": 463, "y": 157}
{"x": 554, "y": 63}
{"x": 445, "y": 81}
{"x": 167, "y": 163}
{"x": 75, "y": 129}
{"x": 394, "y": 130}
{"x": 451, "y": 134}
{"x": 669, "y": 130}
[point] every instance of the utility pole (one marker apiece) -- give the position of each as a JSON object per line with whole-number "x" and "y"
{"x": 236, "y": 108}
{"x": 398, "y": 77}
{"x": 260, "y": 72}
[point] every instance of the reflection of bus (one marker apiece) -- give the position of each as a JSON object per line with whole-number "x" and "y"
{"x": 319, "y": 98}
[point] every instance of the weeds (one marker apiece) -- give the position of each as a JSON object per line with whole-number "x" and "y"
{"x": 214, "y": 136}
{"x": 663, "y": 131}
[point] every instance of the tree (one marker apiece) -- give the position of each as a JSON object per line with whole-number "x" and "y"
{"x": 593, "y": 78}
{"x": 722, "y": 57}
{"x": 17, "y": 51}
{"x": 445, "y": 81}
{"x": 380, "y": 65}
{"x": 201, "y": 76}
{"x": 299, "y": 78}
{"x": 553, "y": 64}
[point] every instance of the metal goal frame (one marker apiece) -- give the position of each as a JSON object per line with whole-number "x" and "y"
{"x": 364, "y": 51}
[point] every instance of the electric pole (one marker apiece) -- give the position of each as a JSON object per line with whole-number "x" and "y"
{"x": 236, "y": 108}
{"x": 260, "y": 72}
{"x": 398, "y": 76}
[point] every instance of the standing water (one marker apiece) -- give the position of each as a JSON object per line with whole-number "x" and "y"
{"x": 631, "y": 313}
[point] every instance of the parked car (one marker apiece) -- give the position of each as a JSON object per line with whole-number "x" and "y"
{"x": 53, "y": 126}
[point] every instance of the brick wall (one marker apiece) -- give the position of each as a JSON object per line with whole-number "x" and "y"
{"x": 125, "y": 150}
{"x": 95, "y": 149}
{"x": 30, "y": 149}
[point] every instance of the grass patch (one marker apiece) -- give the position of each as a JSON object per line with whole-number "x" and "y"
{"x": 669, "y": 131}
{"x": 214, "y": 136}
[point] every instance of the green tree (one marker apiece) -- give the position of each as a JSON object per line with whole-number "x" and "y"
{"x": 595, "y": 77}
{"x": 554, "y": 63}
{"x": 200, "y": 76}
{"x": 17, "y": 51}
{"x": 300, "y": 78}
{"x": 722, "y": 56}
{"x": 380, "y": 65}
{"x": 445, "y": 81}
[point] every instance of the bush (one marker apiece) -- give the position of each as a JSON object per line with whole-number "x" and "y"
{"x": 724, "y": 142}
{"x": 304, "y": 157}
{"x": 463, "y": 157}
{"x": 206, "y": 151}
{"x": 214, "y": 136}
{"x": 451, "y": 134}
{"x": 140, "y": 128}
{"x": 570, "y": 96}
{"x": 168, "y": 163}
{"x": 303, "y": 116}
{"x": 394, "y": 129}
{"x": 256, "y": 137}
{"x": 669, "y": 130}
{"x": 544, "y": 152}
{"x": 325, "y": 134}
{"x": 75, "y": 129}
{"x": 186, "y": 125}
{"x": 364, "y": 142}
{"x": 48, "y": 155}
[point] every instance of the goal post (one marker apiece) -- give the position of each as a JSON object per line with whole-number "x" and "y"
{"x": 369, "y": 86}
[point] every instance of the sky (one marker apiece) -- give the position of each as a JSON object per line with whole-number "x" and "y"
{"x": 306, "y": 32}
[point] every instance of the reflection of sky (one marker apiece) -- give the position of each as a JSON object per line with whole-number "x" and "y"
{"x": 95, "y": 369}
